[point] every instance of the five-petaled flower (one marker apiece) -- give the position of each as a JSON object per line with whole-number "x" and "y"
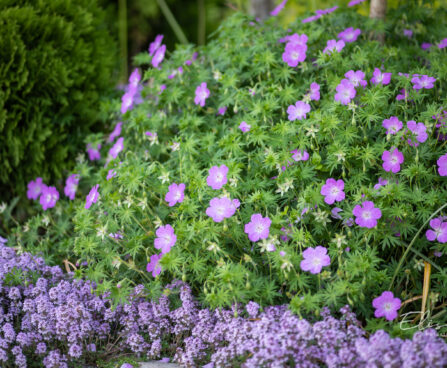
{"x": 217, "y": 176}
{"x": 386, "y": 305}
{"x": 158, "y": 56}
{"x": 442, "y": 165}
{"x": 258, "y": 227}
{"x": 334, "y": 45}
{"x": 392, "y": 125}
{"x": 380, "y": 78}
{"x": 244, "y": 127}
{"x": 345, "y": 92}
{"x": 315, "y": 259}
{"x": 165, "y": 239}
{"x": 366, "y": 215}
{"x": 298, "y": 111}
{"x": 117, "y": 148}
{"x": 356, "y": 78}
{"x": 92, "y": 196}
{"x": 116, "y": 132}
{"x": 294, "y": 54}
{"x": 35, "y": 188}
{"x": 392, "y": 160}
{"x": 154, "y": 266}
{"x": 175, "y": 194}
{"x": 48, "y": 197}
{"x": 93, "y": 153}
{"x": 155, "y": 44}
{"x": 333, "y": 191}
{"x": 202, "y": 93}
{"x": 314, "y": 91}
{"x": 439, "y": 231}
{"x": 423, "y": 81}
{"x": 349, "y": 34}
{"x": 71, "y": 185}
{"x": 419, "y": 130}
{"x": 221, "y": 208}
{"x": 300, "y": 155}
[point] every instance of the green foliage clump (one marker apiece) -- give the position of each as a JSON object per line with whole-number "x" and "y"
{"x": 245, "y": 73}
{"x": 56, "y": 62}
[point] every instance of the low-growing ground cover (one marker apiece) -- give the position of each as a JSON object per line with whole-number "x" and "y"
{"x": 304, "y": 167}
{"x": 48, "y": 318}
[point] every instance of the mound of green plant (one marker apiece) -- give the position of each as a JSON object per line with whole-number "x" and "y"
{"x": 56, "y": 63}
{"x": 305, "y": 166}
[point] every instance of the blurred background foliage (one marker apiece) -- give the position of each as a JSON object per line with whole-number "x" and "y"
{"x": 142, "y": 20}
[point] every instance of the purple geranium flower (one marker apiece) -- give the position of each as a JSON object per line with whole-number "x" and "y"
{"x": 392, "y": 125}
{"x": 165, "y": 238}
{"x": 345, "y": 92}
{"x": 71, "y": 185}
{"x": 418, "y": 129}
{"x": 217, "y": 176}
{"x": 221, "y": 208}
{"x": 300, "y": 155}
{"x": 326, "y": 11}
{"x": 366, "y": 215}
{"x": 355, "y": 2}
{"x": 386, "y": 305}
{"x": 93, "y": 153}
{"x": 111, "y": 174}
{"x": 154, "y": 266}
{"x": 221, "y": 110}
{"x": 408, "y": 33}
{"x": 127, "y": 101}
{"x": 92, "y": 196}
{"x": 356, "y": 78}
{"x": 155, "y": 45}
{"x": 311, "y": 18}
{"x": 315, "y": 259}
{"x": 202, "y": 93}
{"x": 314, "y": 91}
{"x": 298, "y": 111}
{"x": 280, "y": 7}
{"x": 442, "y": 165}
{"x": 134, "y": 79}
{"x": 392, "y": 160}
{"x": 439, "y": 231}
{"x": 442, "y": 44}
{"x": 258, "y": 227}
{"x": 403, "y": 95}
{"x": 116, "y": 132}
{"x": 382, "y": 182}
{"x": 426, "y": 45}
{"x": 349, "y": 34}
{"x": 35, "y": 188}
{"x": 334, "y": 45}
{"x": 117, "y": 148}
{"x": 175, "y": 194}
{"x": 48, "y": 197}
{"x": 334, "y": 213}
{"x": 333, "y": 191}
{"x": 158, "y": 56}
{"x": 424, "y": 81}
{"x": 294, "y": 54}
{"x": 297, "y": 40}
{"x": 244, "y": 127}
{"x": 380, "y": 78}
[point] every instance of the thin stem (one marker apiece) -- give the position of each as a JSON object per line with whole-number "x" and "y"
{"x": 401, "y": 261}
{"x": 172, "y": 21}
{"x": 122, "y": 26}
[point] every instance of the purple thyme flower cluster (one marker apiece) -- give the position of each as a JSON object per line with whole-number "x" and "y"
{"x": 48, "y": 318}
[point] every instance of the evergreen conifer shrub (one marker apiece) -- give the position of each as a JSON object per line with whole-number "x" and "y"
{"x": 56, "y": 61}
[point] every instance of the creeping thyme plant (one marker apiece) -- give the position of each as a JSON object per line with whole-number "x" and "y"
{"x": 303, "y": 166}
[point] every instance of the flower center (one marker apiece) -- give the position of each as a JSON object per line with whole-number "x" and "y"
{"x": 393, "y": 160}
{"x": 220, "y": 210}
{"x": 259, "y": 228}
{"x": 294, "y": 55}
{"x": 366, "y": 215}
{"x": 335, "y": 191}
{"x": 219, "y": 177}
{"x": 177, "y": 195}
{"x": 387, "y": 307}
{"x": 316, "y": 261}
